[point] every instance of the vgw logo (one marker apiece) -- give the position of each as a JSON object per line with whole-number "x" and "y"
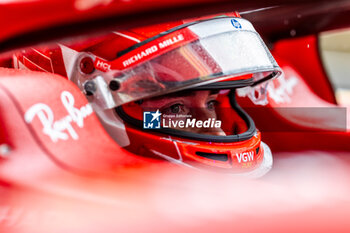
{"x": 151, "y": 120}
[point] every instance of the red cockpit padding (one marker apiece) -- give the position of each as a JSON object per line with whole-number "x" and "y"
{"x": 47, "y": 113}
{"x": 303, "y": 55}
{"x": 296, "y": 118}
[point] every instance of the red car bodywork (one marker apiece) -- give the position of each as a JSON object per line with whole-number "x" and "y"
{"x": 87, "y": 183}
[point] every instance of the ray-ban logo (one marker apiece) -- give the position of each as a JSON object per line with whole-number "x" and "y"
{"x": 60, "y": 129}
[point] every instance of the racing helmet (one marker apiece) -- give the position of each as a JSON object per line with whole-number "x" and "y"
{"x": 168, "y": 91}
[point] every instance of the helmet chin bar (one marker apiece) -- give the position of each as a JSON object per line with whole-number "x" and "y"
{"x": 264, "y": 167}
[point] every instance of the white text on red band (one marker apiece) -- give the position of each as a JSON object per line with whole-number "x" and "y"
{"x": 245, "y": 156}
{"x": 145, "y": 53}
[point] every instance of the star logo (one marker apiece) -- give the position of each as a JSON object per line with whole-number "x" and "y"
{"x": 151, "y": 120}
{"x": 155, "y": 115}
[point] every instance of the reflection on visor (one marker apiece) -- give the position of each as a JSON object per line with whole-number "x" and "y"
{"x": 257, "y": 94}
{"x": 207, "y": 112}
{"x": 206, "y": 59}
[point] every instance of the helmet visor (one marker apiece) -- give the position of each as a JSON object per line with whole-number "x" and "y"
{"x": 205, "y": 52}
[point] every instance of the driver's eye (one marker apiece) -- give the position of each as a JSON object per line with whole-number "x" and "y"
{"x": 212, "y": 104}
{"x": 173, "y": 109}
{"x": 176, "y": 108}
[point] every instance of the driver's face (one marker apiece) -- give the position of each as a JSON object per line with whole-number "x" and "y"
{"x": 199, "y": 104}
